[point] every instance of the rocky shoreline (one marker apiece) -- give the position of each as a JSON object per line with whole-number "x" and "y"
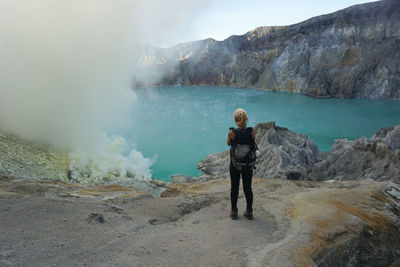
{"x": 285, "y": 154}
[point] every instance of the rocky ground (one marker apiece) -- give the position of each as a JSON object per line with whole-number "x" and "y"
{"x": 30, "y": 159}
{"x": 24, "y": 158}
{"x": 297, "y": 223}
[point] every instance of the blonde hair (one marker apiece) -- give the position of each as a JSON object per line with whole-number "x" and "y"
{"x": 240, "y": 116}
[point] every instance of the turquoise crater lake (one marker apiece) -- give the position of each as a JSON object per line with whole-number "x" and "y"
{"x": 179, "y": 126}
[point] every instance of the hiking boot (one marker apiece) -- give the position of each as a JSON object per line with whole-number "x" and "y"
{"x": 248, "y": 214}
{"x": 234, "y": 215}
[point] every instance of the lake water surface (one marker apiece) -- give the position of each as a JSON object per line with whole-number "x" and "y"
{"x": 181, "y": 125}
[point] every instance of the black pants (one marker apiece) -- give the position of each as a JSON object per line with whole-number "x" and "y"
{"x": 247, "y": 175}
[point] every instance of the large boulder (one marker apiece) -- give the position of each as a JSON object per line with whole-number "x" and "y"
{"x": 283, "y": 154}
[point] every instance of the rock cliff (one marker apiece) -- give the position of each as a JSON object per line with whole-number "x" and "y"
{"x": 377, "y": 158}
{"x": 354, "y": 52}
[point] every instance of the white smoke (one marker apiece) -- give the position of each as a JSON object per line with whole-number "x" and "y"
{"x": 65, "y": 73}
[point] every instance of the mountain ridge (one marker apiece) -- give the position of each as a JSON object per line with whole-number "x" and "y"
{"x": 353, "y": 52}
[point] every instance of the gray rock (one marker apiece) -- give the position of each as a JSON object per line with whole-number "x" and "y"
{"x": 377, "y": 158}
{"x": 153, "y": 187}
{"x": 283, "y": 154}
{"x": 214, "y": 166}
{"x": 354, "y": 52}
{"x": 390, "y": 136}
{"x": 95, "y": 218}
{"x": 177, "y": 178}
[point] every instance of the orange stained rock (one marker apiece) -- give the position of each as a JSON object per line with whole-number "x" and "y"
{"x": 342, "y": 220}
{"x": 372, "y": 218}
{"x": 104, "y": 189}
{"x": 55, "y": 182}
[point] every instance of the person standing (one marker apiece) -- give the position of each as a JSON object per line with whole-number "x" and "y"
{"x": 241, "y": 137}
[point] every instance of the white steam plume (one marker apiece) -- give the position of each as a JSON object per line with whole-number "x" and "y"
{"x": 65, "y": 70}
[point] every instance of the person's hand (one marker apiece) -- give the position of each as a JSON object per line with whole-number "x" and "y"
{"x": 231, "y": 135}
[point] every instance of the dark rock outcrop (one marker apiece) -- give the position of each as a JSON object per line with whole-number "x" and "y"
{"x": 283, "y": 154}
{"x": 354, "y": 52}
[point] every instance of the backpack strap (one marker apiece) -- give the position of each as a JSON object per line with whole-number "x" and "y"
{"x": 253, "y": 143}
{"x": 243, "y": 136}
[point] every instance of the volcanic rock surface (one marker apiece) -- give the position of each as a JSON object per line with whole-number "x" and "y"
{"x": 297, "y": 223}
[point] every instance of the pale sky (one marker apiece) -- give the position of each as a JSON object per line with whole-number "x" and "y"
{"x": 220, "y": 19}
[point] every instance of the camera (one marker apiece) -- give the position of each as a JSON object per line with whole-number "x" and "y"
{"x": 231, "y": 128}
